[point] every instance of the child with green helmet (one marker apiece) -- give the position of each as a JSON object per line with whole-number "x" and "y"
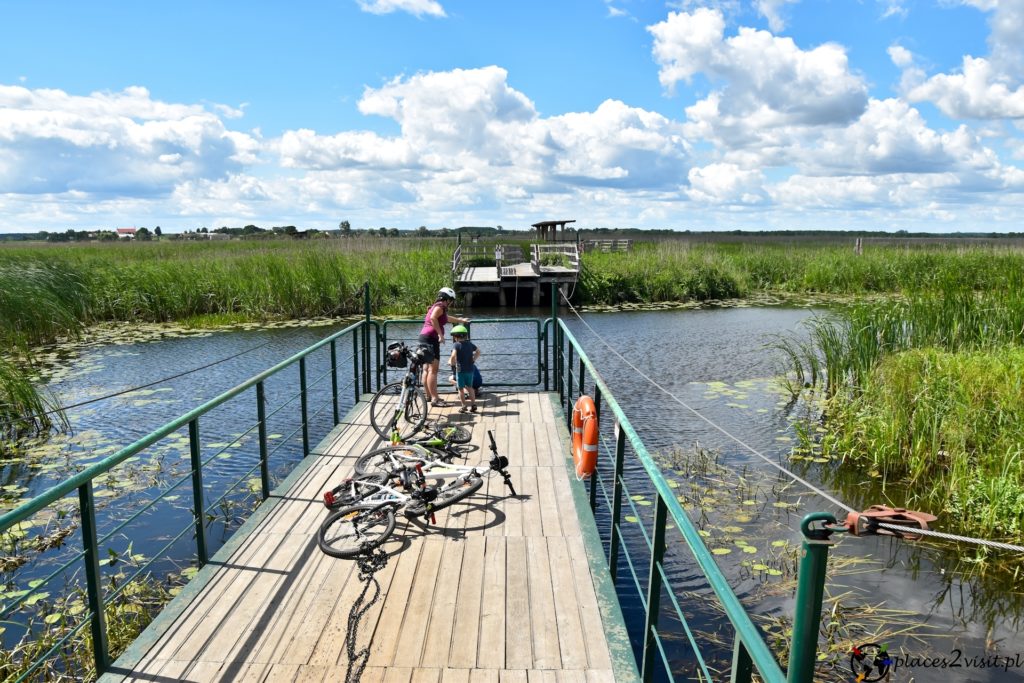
{"x": 464, "y": 356}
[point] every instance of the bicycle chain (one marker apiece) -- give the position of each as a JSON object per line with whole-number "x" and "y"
{"x": 370, "y": 561}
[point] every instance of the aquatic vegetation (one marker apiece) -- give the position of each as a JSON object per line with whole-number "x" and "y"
{"x": 925, "y": 394}
{"x": 48, "y": 622}
{"x": 24, "y": 409}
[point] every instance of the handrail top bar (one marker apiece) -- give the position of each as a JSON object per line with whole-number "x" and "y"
{"x": 762, "y": 657}
{"x": 57, "y": 492}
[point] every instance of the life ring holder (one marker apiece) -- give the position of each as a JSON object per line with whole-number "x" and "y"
{"x": 584, "y": 436}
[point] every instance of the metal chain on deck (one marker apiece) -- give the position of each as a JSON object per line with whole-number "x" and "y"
{"x": 370, "y": 561}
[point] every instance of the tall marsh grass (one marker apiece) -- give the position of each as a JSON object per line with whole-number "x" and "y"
{"x": 928, "y": 393}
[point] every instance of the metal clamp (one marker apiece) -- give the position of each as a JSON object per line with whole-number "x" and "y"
{"x": 866, "y": 523}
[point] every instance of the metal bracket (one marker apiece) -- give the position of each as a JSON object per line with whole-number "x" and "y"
{"x": 866, "y": 523}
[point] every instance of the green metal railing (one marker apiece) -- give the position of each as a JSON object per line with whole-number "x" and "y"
{"x": 502, "y": 354}
{"x": 83, "y": 483}
{"x": 562, "y": 366}
{"x": 571, "y": 368}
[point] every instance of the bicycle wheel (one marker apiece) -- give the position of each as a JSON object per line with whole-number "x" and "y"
{"x": 385, "y": 405}
{"x": 351, "y": 492}
{"x": 454, "y": 434}
{"x": 449, "y": 494}
{"x": 380, "y": 460}
{"x": 346, "y": 532}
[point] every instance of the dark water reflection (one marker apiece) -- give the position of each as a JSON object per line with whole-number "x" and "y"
{"x": 716, "y": 361}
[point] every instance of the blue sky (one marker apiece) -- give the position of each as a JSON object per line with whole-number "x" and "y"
{"x": 764, "y": 114}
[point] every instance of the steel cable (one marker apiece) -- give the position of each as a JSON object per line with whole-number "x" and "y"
{"x": 827, "y": 496}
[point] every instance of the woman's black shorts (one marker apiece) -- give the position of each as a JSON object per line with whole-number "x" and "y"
{"x": 432, "y": 343}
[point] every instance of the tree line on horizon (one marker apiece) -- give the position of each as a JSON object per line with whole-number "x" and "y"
{"x": 345, "y": 229}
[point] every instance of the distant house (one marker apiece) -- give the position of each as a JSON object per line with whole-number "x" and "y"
{"x": 126, "y": 233}
{"x": 216, "y": 236}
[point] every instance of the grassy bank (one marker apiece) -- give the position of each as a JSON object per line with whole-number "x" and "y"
{"x": 51, "y": 291}
{"x": 927, "y": 394}
{"x": 679, "y": 271}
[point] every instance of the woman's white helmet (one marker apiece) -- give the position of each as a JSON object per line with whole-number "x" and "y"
{"x": 447, "y": 292}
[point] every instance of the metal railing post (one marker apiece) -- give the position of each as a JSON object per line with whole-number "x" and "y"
{"x": 810, "y": 589}
{"x": 355, "y": 364}
{"x": 582, "y": 368}
{"x": 597, "y": 402}
{"x": 94, "y": 587}
{"x": 742, "y": 666}
{"x": 568, "y": 387}
{"x": 261, "y": 417}
{"x": 554, "y": 338}
{"x": 654, "y": 589}
{"x": 334, "y": 379}
{"x": 195, "y": 452}
{"x": 366, "y": 338}
{"x": 545, "y": 341}
{"x": 613, "y": 541}
{"x": 304, "y": 406}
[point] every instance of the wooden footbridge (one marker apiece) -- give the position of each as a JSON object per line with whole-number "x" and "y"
{"x": 501, "y": 589}
{"x": 503, "y": 270}
{"x": 525, "y": 588}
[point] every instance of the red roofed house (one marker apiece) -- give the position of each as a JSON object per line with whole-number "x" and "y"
{"x": 126, "y": 233}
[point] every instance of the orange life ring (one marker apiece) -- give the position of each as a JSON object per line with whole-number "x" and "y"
{"x": 584, "y": 436}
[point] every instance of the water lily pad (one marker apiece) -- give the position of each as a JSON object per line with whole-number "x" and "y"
{"x": 732, "y": 529}
{"x": 631, "y": 519}
{"x": 759, "y": 566}
{"x": 721, "y": 551}
{"x": 749, "y": 549}
{"x": 780, "y": 544}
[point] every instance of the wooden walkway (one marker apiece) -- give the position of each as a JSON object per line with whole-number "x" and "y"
{"x": 500, "y": 590}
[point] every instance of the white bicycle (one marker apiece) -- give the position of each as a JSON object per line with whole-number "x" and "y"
{"x": 364, "y": 506}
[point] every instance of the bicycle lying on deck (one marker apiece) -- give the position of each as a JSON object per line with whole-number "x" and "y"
{"x": 366, "y": 505}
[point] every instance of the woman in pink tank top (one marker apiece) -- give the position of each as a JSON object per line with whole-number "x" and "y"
{"x": 432, "y": 336}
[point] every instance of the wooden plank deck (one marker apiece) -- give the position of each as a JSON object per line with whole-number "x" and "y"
{"x": 501, "y": 589}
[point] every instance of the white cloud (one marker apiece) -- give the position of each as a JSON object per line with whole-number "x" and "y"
{"x": 414, "y": 7}
{"x": 110, "y": 143}
{"x": 471, "y": 121}
{"x": 893, "y": 8}
{"x": 990, "y": 87}
{"x": 726, "y": 183}
{"x": 771, "y": 10}
{"x": 900, "y": 56}
{"x": 768, "y": 82}
{"x": 978, "y": 91}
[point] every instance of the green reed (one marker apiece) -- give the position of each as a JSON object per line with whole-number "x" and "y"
{"x": 681, "y": 271}
{"x": 927, "y": 393}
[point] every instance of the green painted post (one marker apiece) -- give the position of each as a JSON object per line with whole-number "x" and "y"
{"x": 366, "y": 337}
{"x": 355, "y": 365}
{"x": 334, "y": 379}
{"x": 261, "y": 417}
{"x": 554, "y": 336}
{"x": 582, "y": 369}
{"x": 620, "y": 459}
{"x": 94, "y": 586}
{"x": 195, "y": 452}
{"x": 742, "y": 666}
{"x": 304, "y": 406}
{"x": 597, "y": 412}
{"x": 654, "y": 590}
{"x": 568, "y": 388}
{"x": 810, "y": 588}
